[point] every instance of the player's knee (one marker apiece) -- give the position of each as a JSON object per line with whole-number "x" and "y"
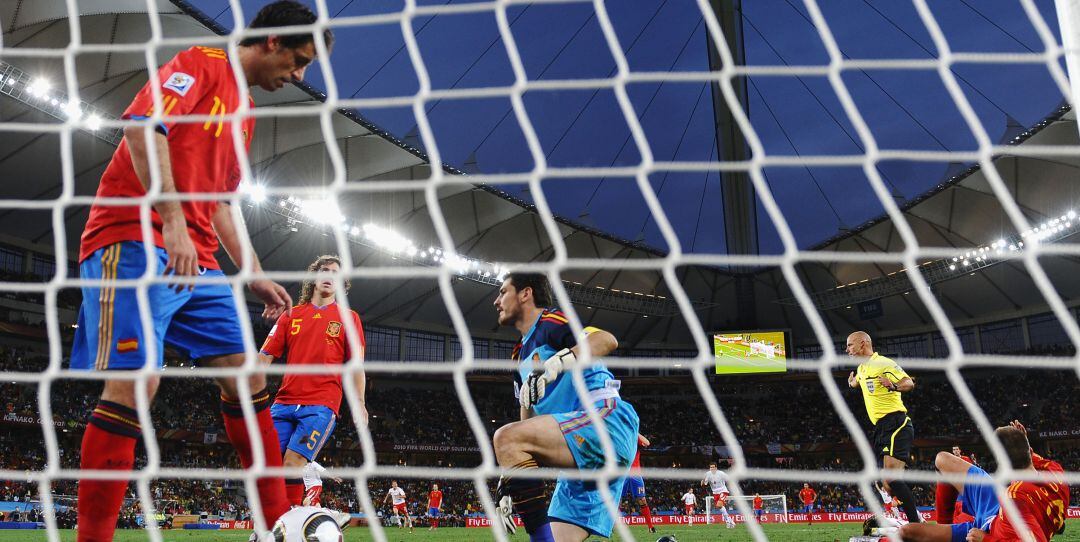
{"x": 293, "y": 459}
{"x": 506, "y": 440}
{"x": 941, "y": 460}
{"x": 124, "y": 391}
{"x": 949, "y": 463}
{"x": 914, "y": 532}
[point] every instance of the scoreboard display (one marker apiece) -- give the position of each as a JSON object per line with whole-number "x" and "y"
{"x": 750, "y": 352}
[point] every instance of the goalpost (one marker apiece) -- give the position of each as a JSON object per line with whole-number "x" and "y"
{"x": 770, "y": 504}
{"x": 70, "y": 115}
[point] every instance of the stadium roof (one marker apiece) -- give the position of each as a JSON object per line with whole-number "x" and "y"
{"x": 948, "y": 204}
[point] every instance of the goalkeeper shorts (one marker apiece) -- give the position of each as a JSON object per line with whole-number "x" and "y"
{"x": 578, "y": 502}
{"x": 202, "y": 322}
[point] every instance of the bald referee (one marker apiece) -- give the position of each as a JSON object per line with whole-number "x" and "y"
{"x": 882, "y": 382}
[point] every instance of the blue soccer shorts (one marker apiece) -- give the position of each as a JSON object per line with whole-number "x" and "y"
{"x": 980, "y": 501}
{"x": 303, "y": 429}
{"x": 578, "y": 502}
{"x": 433, "y": 512}
{"x": 200, "y": 323}
{"x": 634, "y": 487}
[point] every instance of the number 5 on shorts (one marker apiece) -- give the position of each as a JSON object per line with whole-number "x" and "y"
{"x": 313, "y": 440}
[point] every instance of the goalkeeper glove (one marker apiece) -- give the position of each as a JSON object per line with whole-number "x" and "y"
{"x": 535, "y": 386}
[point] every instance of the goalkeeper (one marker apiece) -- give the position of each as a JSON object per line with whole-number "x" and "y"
{"x": 555, "y": 431}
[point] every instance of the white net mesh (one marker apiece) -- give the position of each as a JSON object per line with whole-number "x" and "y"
{"x": 445, "y": 263}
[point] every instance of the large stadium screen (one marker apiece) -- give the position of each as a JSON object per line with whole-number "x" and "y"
{"x": 750, "y": 352}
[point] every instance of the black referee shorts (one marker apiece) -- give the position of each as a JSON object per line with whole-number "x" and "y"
{"x": 893, "y": 436}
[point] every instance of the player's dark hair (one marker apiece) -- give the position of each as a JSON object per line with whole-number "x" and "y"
{"x": 1017, "y": 447}
{"x": 541, "y": 289}
{"x": 308, "y": 289}
{"x": 286, "y": 13}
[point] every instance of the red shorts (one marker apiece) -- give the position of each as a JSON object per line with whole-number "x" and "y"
{"x": 689, "y": 509}
{"x": 720, "y": 499}
{"x": 400, "y": 508}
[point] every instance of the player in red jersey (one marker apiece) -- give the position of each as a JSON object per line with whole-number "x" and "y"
{"x": 759, "y": 507}
{"x": 201, "y": 321}
{"x": 306, "y": 408}
{"x": 1041, "y": 504}
{"x": 434, "y": 504}
{"x": 807, "y": 495}
{"x": 635, "y": 485}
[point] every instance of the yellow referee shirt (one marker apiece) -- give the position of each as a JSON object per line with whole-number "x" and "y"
{"x": 879, "y": 399}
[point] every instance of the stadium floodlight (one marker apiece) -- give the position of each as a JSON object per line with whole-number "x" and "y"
{"x": 254, "y": 191}
{"x": 39, "y": 88}
{"x": 93, "y": 122}
{"x": 322, "y": 211}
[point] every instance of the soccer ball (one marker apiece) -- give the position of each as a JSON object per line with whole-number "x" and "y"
{"x": 667, "y": 538}
{"x": 306, "y": 524}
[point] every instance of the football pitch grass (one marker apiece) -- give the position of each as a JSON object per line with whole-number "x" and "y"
{"x": 827, "y": 532}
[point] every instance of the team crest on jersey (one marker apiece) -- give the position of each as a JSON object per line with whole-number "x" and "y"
{"x": 179, "y": 83}
{"x": 333, "y": 329}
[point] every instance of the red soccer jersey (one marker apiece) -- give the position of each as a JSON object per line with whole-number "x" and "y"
{"x": 434, "y": 499}
{"x": 311, "y": 335}
{"x": 636, "y": 465}
{"x": 758, "y": 503}
{"x": 807, "y": 495}
{"x": 198, "y": 81}
{"x": 1041, "y": 504}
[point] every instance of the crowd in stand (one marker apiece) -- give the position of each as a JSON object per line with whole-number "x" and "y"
{"x": 788, "y": 411}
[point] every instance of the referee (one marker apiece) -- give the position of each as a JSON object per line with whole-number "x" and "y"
{"x": 882, "y": 382}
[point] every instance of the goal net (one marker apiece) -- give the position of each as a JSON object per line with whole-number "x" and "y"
{"x": 729, "y": 188}
{"x": 773, "y": 508}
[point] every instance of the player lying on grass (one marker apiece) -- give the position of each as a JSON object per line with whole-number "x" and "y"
{"x": 202, "y": 321}
{"x": 1041, "y": 504}
{"x": 555, "y": 430}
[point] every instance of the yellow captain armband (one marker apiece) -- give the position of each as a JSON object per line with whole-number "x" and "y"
{"x": 589, "y": 330}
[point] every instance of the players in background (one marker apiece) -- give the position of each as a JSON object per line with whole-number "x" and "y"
{"x": 555, "y": 429}
{"x": 969, "y": 458}
{"x": 759, "y": 507}
{"x": 635, "y": 485}
{"x": 716, "y": 480}
{"x": 434, "y": 504}
{"x": 808, "y": 496}
{"x": 396, "y": 496}
{"x": 306, "y": 407}
{"x": 882, "y": 382}
{"x": 1041, "y": 504}
{"x": 202, "y": 321}
{"x": 888, "y": 501}
{"x": 313, "y": 482}
{"x": 689, "y": 501}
